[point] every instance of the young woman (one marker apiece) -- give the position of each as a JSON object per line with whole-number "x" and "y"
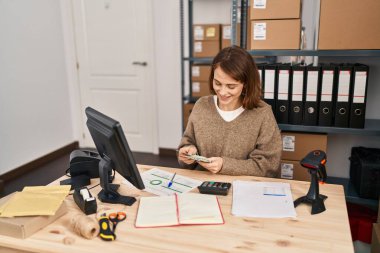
{"x": 233, "y": 128}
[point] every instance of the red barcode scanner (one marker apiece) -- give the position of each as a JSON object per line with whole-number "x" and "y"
{"x": 315, "y": 163}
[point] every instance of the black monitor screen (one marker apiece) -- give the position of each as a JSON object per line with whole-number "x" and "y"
{"x": 113, "y": 147}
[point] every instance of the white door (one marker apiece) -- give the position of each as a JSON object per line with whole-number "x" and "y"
{"x": 115, "y": 66}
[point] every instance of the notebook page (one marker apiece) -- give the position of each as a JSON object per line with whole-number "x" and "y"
{"x": 157, "y": 211}
{"x": 197, "y": 208}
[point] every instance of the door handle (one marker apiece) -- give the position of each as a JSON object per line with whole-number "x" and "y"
{"x": 144, "y": 63}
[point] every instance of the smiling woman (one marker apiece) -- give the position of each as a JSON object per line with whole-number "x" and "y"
{"x": 233, "y": 128}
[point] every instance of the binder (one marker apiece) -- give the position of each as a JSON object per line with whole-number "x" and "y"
{"x": 282, "y": 97}
{"x": 270, "y": 79}
{"x": 342, "y": 106}
{"x": 326, "y": 94}
{"x": 312, "y": 82}
{"x": 358, "y": 99}
{"x": 260, "y": 69}
{"x": 296, "y": 96}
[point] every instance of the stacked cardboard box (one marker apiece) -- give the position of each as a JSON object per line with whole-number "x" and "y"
{"x": 275, "y": 24}
{"x": 199, "y": 77}
{"x": 349, "y": 24}
{"x": 206, "y": 40}
{"x": 295, "y": 146}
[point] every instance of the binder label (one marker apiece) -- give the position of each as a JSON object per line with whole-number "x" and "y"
{"x": 260, "y": 31}
{"x": 283, "y": 85}
{"x": 195, "y": 71}
{"x": 312, "y": 86}
{"x": 288, "y": 143}
{"x": 287, "y": 170}
{"x": 327, "y": 85}
{"x": 297, "y": 86}
{"x": 344, "y": 86}
{"x": 269, "y": 84}
{"x": 259, "y": 4}
{"x": 359, "y": 89}
{"x": 198, "y": 33}
{"x": 227, "y": 32}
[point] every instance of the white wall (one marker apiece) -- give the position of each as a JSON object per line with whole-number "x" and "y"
{"x": 35, "y": 114}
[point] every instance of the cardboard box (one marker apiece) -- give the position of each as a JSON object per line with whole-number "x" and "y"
{"x": 275, "y": 9}
{"x": 23, "y": 227}
{"x": 227, "y": 33}
{"x": 375, "y": 242}
{"x": 275, "y": 34}
{"x": 206, "y": 48}
{"x": 200, "y": 72}
{"x": 187, "y": 108}
{"x": 295, "y": 146}
{"x": 349, "y": 24}
{"x": 293, "y": 170}
{"x": 206, "y": 32}
{"x": 200, "y": 89}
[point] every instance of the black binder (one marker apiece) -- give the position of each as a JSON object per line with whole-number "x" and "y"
{"x": 326, "y": 95}
{"x": 296, "y": 95}
{"x": 342, "y": 106}
{"x": 358, "y": 99}
{"x": 312, "y": 82}
{"x": 282, "y": 97}
{"x": 270, "y": 79}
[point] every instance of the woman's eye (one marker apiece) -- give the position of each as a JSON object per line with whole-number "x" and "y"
{"x": 217, "y": 84}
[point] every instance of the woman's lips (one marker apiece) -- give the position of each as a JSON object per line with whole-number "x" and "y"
{"x": 224, "y": 98}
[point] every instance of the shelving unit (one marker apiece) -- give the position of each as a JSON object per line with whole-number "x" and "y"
{"x": 350, "y": 192}
{"x": 372, "y": 126}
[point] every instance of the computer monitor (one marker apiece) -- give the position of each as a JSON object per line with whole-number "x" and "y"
{"x": 115, "y": 154}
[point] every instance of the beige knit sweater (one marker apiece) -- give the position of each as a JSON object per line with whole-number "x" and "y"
{"x": 249, "y": 145}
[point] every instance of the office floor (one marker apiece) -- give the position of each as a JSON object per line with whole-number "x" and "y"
{"x": 57, "y": 168}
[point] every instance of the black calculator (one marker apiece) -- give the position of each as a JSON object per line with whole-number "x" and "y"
{"x": 216, "y": 188}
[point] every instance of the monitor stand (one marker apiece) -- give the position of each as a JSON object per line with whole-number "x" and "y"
{"x": 109, "y": 193}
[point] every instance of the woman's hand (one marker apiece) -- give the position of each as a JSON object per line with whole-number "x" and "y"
{"x": 185, "y": 151}
{"x": 214, "y": 166}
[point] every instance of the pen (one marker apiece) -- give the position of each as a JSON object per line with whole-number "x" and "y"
{"x": 171, "y": 181}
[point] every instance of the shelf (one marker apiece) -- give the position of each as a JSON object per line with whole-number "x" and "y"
{"x": 372, "y": 128}
{"x": 348, "y": 53}
{"x": 208, "y": 60}
{"x": 350, "y": 192}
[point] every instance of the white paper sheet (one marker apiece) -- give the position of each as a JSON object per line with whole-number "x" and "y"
{"x": 156, "y": 182}
{"x": 262, "y": 200}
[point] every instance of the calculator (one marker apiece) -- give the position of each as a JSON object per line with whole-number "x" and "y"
{"x": 216, "y": 188}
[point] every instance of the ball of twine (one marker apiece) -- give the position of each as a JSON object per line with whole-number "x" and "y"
{"x": 84, "y": 226}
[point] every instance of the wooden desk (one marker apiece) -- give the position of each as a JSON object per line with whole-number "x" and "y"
{"x": 325, "y": 232}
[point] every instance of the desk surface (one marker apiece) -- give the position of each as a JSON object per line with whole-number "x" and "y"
{"x": 325, "y": 232}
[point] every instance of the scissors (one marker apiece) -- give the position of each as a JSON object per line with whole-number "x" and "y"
{"x": 115, "y": 218}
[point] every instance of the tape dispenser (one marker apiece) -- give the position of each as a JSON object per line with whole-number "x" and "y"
{"x": 85, "y": 201}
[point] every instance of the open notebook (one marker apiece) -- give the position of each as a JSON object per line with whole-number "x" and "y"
{"x": 175, "y": 210}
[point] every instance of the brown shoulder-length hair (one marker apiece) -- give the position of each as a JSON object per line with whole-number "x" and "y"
{"x": 239, "y": 65}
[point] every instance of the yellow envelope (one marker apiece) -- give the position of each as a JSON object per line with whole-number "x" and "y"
{"x": 35, "y": 200}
